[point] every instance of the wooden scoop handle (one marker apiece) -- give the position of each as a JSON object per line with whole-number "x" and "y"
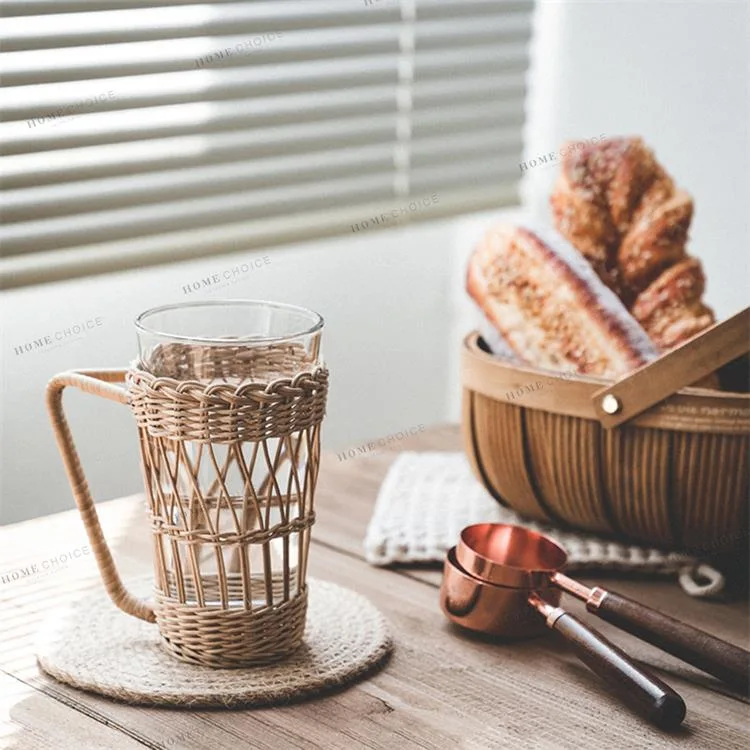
{"x": 643, "y": 691}
{"x": 688, "y": 363}
{"x": 730, "y": 663}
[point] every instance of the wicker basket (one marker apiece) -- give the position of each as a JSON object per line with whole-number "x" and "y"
{"x": 675, "y": 476}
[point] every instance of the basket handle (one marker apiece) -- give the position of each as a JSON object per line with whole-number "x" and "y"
{"x": 99, "y": 383}
{"x": 686, "y": 364}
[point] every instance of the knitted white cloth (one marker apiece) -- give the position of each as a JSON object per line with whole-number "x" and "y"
{"x": 427, "y": 498}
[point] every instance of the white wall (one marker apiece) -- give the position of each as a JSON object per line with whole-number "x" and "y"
{"x": 384, "y": 297}
{"x": 676, "y": 73}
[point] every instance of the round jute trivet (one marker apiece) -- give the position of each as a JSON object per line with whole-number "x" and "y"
{"x": 98, "y": 648}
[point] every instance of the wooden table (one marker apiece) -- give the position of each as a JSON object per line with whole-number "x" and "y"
{"x": 441, "y": 689}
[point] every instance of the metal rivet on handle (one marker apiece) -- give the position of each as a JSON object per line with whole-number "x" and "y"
{"x": 611, "y": 404}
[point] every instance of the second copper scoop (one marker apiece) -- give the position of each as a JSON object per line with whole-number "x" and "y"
{"x": 519, "y": 558}
{"x": 521, "y": 613}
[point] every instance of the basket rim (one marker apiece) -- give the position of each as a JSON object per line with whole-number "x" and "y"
{"x": 691, "y": 408}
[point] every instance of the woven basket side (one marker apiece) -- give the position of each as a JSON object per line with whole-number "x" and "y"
{"x": 468, "y": 433}
{"x": 710, "y": 479}
{"x": 498, "y": 447}
{"x": 637, "y": 480}
{"x": 564, "y": 461}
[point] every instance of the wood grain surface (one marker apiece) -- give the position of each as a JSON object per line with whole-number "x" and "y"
{"x": 442, "y": 688}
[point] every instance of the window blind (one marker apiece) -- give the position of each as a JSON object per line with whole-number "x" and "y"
{"x": 135, "y": 133}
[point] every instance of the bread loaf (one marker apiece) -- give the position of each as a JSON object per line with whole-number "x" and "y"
{"x": 549, "y": 306}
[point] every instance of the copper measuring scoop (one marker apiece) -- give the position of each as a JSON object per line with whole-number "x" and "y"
{"x": 518, "y": 558}
{"x": 514, "y": 612}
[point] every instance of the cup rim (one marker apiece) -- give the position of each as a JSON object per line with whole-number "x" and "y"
{"x": 141, "y": 326}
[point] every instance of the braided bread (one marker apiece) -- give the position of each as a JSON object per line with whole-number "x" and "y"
{"x": 619, "y": 207}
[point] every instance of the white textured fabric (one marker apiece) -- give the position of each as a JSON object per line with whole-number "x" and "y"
{"x": 427, "y": 498}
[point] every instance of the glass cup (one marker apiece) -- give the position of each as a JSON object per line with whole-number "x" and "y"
{"x": 197, "y": 340}
{"x": 229, "y": 342}
{"x": 229, "y": 397}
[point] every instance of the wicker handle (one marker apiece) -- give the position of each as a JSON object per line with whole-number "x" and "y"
{"x": 98, "y": 382}
{"x": 728, "y": 662}
{"x": 688, "y": 363}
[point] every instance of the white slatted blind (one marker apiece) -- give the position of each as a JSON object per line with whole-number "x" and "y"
{"x": 136, "y": 133}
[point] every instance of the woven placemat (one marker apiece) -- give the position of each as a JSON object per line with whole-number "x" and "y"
{"x": 94, "y": 646}
{"x": 427, "y": 498}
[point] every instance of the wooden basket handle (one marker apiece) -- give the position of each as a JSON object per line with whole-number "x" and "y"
{"x": 100, "y": 383}
{"x": 686, "y": 364}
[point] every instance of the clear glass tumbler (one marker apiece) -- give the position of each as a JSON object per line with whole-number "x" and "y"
{"x": 209, "y": 488}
